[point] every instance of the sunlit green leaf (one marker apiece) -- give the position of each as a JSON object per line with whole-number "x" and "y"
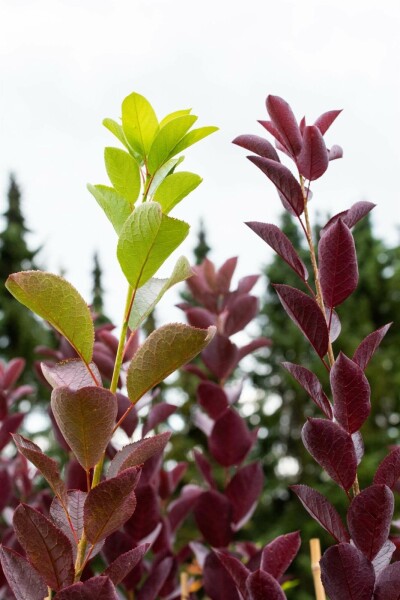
{"x": 173, "y": 115}
{"x": 123, "y": 172}
{"x": 166, "y": 140}
{"x": 164, "y": 351}
{"x": 116, "y": 129}
{"x": 149, "y": 295}
{"x": 147, "y": 239}
{"x": 56, "y": 300}
{"x": 139, "y": 123}
{"x": 162, "y": 173}
{"x": 116, "y": 208}
{"x": 191, "y": 138}
{"x": 174, "y": 188}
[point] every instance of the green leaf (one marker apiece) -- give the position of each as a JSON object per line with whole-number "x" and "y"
{"x": 174, "y": 188}
{"x": 86, "y": 418}
{"x": 123, "y": 172}
{"x": 166, "y": 140}
{"x": 191, "y": 138}
{"x": 164, "y": 351}
{"x": 147, "y": 239}
{"x": 149, "y": 295}
{"x": 116, "y": 129}
{"x": 174, "y": 115}
{"x": 116, "y": 208}
{"x": 162, "y": 173}
{"x": 139, "y": 123}
{"x": 56, "y": 300}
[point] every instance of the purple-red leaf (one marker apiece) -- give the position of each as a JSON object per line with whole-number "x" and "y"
{"x": 24, "y": 581}
{"x": 388, "y": 583}
{"x": 254, "y": 345}
{"x": 205, "y": 468}
{"x": 122, "y": 565}
{"x": 313, "y": 159}
{"x": 225, "y": 274}
{"x": 358, "y": 445}
{"x": 158, "y": 414}
{"x": 261, "y": 585}
{"x": 278, "y": 241}
{"x": 180, "y": 508}
{"x": 200, "y": 317}
{"x": 212, "y": 398}
{"x": 322, "y": 511}
{"x": 311, "y": 384}
{"x": 368, "y": 346}
{"x": 285, "y": 122}
{"x": 155, "y": 580}
{"x": 335, "y": 152}
{"x": 219, "y": 583}
{"x": 230, "y": 440}
{"x": 241, "y": 311}
{"x": 243, "y": 491}
{"x": 47, "y": 548}
{"x": 279, "y": 554}
{"x": 72, "y": 373}
{"x": 351, "y": 394}
{"x": 288, "y": 187}
{"x": 135, "y": 454}
{"x": 369, "y": 518}
{"x": 220, "y": 356}
{"x": 307, "y": 315}
{"x": 338, "y": 269}
{"x": 213, "y": 514}
{"x": 9, "y": 425}
{"x": 383, "y": 558}
{"x": 236, "y": 570}
{"x": 333, "y": 449}
{"x": 351, "y": 216}
{"x": 346, "y": 574}
{"x": 325, "y": 120}
{"x": 258, "y": 145}
{"x": 96, "y": 588}
{"x": 388, "y": 472}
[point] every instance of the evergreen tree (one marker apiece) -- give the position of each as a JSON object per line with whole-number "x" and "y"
{"x": 98, "y": 292}
{"x": 202, "y": 249}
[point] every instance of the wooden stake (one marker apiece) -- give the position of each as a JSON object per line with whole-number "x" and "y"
{"x": 315, "y": 551}
{"x": 185, "y": 594}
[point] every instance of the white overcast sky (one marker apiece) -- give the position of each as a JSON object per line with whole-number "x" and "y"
{"x": 67, "y": 64}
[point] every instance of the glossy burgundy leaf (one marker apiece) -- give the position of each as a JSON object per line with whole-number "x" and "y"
{"x": 278, "y": 241}
{"x": 200, "y": 317}
{"x": 306, "y": 314}
{"x": 351, "y": 216}
{"x": 9, "y": 425}
{"x": 180, "y": 508}
{"x": 135, "y": 454}
{"x": 230, "y": 440}
{"x": 338, "y": 268}
{"x": 279, "y": 141}
{"x": 23, "y": 579}
{"x": 169, "y": 480}
{"x": 288, "y": 187}
{"x": 284, "y": 120}
{"x": 122, "y": 565}
{"x": 72, "y": 373}
{"x": 347, "y": 574}
{"x": 131, "y": 418}
{"x": 335, "y": 152}
{"x": 225, "y": 274}
{"x": 351, "y": 394}
{"x": 236, "y": 570}
{"x": 261, "y": 585}
{"x": 279, "y": 554}
{"x": 258, "y": 145}
{"x": 109, "y": 505}
{"x": 241, "y": 311}
{"x": 369, "y": 345}
{"x": 369, "y": 518}
{"x": 388, "y": 472}
{"x": 47, "y": 548}
{"x": 333, "y": 449}
{"x": 212, "y": 398}
{"x": 12, "y": 372}
{"x": 147, "y": 514}
{"x": 220, "y": 356}
{"x": 213, "y": 514}
{"x": 204, "y": 468}
{"x": 311, "y": 384}
{"x": 5, "y": 488}
{"x": 155, "y": 580}
{"x": 313, "y": 159}
{"x": 158, "y": 414}
{"x": 322, "y": 511}
{"x": 247, "y": 283}
{"x": 243, "y": 491}
{"x": 302, "y": 125}
{"x": 218, "y": 582}
{"x": 383, "y": 558}
{"x": 388, "y": 583}
{"x": 96, "y": 588}
{"x": 325, "y": 120}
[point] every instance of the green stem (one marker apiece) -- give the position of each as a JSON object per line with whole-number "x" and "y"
{"x": 80, "y": 557}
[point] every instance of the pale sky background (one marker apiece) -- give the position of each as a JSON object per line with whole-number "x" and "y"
{"x": 65, "y": 65}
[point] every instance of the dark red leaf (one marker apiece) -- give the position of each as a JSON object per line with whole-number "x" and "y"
{"x": 6, "y": 487}
{"x": 369, "y": 518}
{"x": 72, "y": 373}
{"x": 220, "y": 356}
{"x": 96, "y": 588}
{"x": 335, "y": 152}
{"x": 351, "y": 394}
{"x": 278, "y": 241}
{"x": 23, "y": 579}
{"x": 200, "y": 317}
{"x": 383, "y": 558}
{"x": 358, "y": 446}
{"x": 131, "y": 419}
{"x": 247, "y": 283}
{"x": 325, "y": 120}
{"x": 338, "y": 267}
{"x": 368, "y": 346}
{"x": 218, "y": 583}
{"x": 279, "y": 141}
{"x": 135, "y": 454}
{"x": 258, "y": 145}
{"x": 306, "y": 314}
{"x": 279, "y": 554}
{"x": 241, "y": 311}
{"x": 388, "y": 472}
{"x": 236, "y": 570}
{"x": 158, "y": 414}
{"x": 47, "y": 548}
{"x": 205, "y": 468}
{"x": 335, "y": 325}
{"x": 388, "y": 583}
{"x": 285, "y": 122}
{"x": 155, "y": 580}
{"x": 180, "y": 508}
{"x": 124, "y": 564}
{"x": 333, "y": 449}
{"x": 212, "y": 398}
{"x": 302, "y": 125}
{"x": 243, "y": 491}
{"x": 213, "y": 514}
{"x": 10, "y": 425}
{"x": 322, "y": 511}
{"x": 311, "y": 385}
{"x": 288, "y": 187}
{"x": 225, "y": 274}
{"x": 253, "y": 346}
{"x": 261, "y": 585}
{"x": 313, "y": 159}
{"x": 230, "y": 440}
{"x": 169, "y": 480}
{"x": 346, "y": 574}
{"x": 147, "y": 514}
{"x": 351, "y": 216}
{"x": 12, "y": 372}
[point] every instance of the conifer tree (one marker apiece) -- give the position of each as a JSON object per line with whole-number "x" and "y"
{"x": 98, "y": 292}
{"x": 202, "y": 249}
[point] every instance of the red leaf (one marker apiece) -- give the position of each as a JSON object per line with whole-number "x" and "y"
{"x": 278, "y": 241}
{"x": 279, "y": 141}
{"x": 124, "y": 564}
{"x": 368, "y": 346}
{"x": 285, "y": 122}
{"x": 325, "y": 120}
{"x": 213, "y": 514}
{"x": 10, "y": 425}
{"x": 6, "y": 487}
{"x": 351, "y": 216}
{"x": 109, "y": 505}
{"x": 225, "y": 274}
{"x": 279, "y": 554}
{"x": 335, "y": 152}
{"x": 388, "y": 583}
{"x": 180, "y": 508}
{"x": 247, "y": 283}
{"x": 383, "y": 558}
{"x": 220, "y": 356}
{"x": 243, "y": 491}
{"x": 212, "y": 398}
{"x": 338, "y": 267}
{"x": 333, "y": 449}
{"x": 24, "y": 581}
{"x": 236, "y": 570}
{"x": 241, "y": 311}
{"x": 204, "y": 468}
{"x": 72, "y": 373}
{"x": 230, "y": 440}
{"x": 96, "y": 588}
{"x": 347, "y": 574}
{"x": 306, "y": 314}
{"x": 351, "y": 394}
{"x": 322, "y": 511}
{"x": 147, "y": 513}
{"x": 253, "y": 346}
{"x": 258, "y": 145}
{"x": 158, "y": 414}
{"x": 369, "y": 518}
{"x": 288, "y": 187}
{"x": 358, "y": 446}
{"x": 131, "y": 419}
{"x": 155, "y": 580}
{"x": 218, "y": 583}
{"x": 135, "y": 454}
{"x": 12, "y": 372}
{"x": 200, "y": 317}
{"x": 311, "y": 385}
{"x": 47, "y": 548}
{"x": 313, "y": 159}
{"x": 388, "y": 472}
{"x": 261, "y": 585}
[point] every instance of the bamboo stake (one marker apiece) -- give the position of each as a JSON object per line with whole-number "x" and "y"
{"x": 315, "y": 551}
{"x": 184, "y": 586}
